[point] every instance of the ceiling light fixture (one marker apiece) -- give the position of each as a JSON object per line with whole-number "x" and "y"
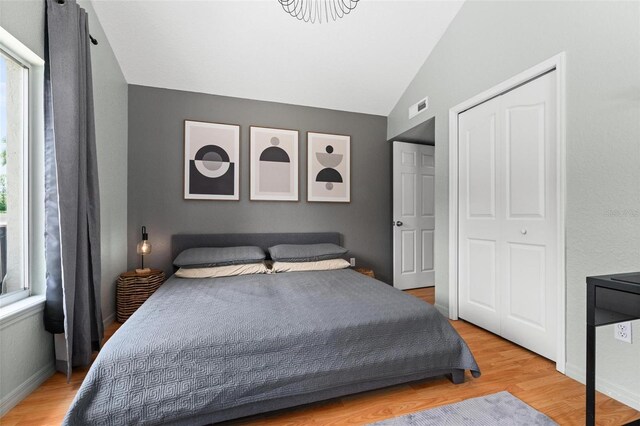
{"x": 318, "y": 10}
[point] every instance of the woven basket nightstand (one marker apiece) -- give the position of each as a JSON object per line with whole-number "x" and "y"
{"x": 366, "y": 271}
{"x": 132, "y": 289}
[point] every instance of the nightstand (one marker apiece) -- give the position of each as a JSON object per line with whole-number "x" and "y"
{"x": 132, "y": 289}
{"x": 366, "y": 271}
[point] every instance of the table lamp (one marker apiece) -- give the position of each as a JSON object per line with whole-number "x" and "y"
{"x": 143, "y": 248}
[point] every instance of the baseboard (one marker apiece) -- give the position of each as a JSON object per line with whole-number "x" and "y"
{"x": 28, "y": 386}
{"x": 442, "y": 309}
{"x": 617, "y": 392}
{"x": 108, "y": 320}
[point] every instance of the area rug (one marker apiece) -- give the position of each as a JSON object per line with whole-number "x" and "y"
{"x": 500, "y": 408}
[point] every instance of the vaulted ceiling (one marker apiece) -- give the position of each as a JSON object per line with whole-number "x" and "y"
{"x": 253, "y": 49}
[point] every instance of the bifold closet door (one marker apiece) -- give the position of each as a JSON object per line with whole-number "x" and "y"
{"x": 479, "y": 217}
{"x": 508, "y": 217}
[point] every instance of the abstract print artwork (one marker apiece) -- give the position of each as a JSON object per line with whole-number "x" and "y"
{"x": 274, "y": 164}
{"x": 211, "y": 153}
{"x": 329, "y": 174}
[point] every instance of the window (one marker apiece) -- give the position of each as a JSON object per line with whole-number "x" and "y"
{"x": 14, "y": 78}
{"x": 20, "y": 132}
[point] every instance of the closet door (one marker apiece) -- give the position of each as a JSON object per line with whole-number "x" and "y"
{"x": 529, "y": 239}
{"x": 508, "y": 217}
{"x": 479, "y": 217}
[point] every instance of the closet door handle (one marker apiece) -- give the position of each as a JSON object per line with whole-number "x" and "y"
{"x": 399, "y": 223}
{"x": 523, "y": 231}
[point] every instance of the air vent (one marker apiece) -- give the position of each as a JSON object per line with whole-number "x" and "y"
{"x": 419, "y": 107}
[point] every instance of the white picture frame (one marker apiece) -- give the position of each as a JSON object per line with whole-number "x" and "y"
{"x": 328, "y": 168}
{"x": 274, "y": 164}
{"x": 211, "y": 161}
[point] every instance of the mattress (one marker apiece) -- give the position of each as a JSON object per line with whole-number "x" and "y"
{"x": 200, "y": 351}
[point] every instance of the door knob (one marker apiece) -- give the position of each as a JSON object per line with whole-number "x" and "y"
{"x": 523, "y": 231}
{"x": 399, "y": 223}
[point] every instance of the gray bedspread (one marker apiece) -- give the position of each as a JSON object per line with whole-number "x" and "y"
{"x": 206, "y": 350}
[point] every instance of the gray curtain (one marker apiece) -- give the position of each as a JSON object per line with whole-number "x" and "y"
{"x": 72, "y": 207}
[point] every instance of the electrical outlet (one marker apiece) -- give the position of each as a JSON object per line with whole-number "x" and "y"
{"x": 622, "y": 331}
{"x": 353, "y": 262}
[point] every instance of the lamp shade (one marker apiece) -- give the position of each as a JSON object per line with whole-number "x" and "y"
{"x": 143, "y": 248}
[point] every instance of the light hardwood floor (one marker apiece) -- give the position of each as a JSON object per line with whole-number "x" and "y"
{"x": 504, "y": 365}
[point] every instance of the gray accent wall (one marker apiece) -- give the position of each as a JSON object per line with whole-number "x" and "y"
{"x": 27, "y": 355}
{"x": 489, "y": 42}
{"x": 156, "y": 118}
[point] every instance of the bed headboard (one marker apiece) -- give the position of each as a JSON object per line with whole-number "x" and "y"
{"x": 180, "y": 242}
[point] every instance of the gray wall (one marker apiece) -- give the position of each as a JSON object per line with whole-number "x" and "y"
{"x": 489, "y": 42}
{"x": 27, "y": 348}
{"x": 156, "y": 176}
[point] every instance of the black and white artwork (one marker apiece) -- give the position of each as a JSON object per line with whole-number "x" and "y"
{"x": 329, "y": 174}
{"x": 274, "y": 164}
{"x": 211, "y": 153}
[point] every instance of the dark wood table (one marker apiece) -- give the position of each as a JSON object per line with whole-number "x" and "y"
{"x": 610, "y": 299}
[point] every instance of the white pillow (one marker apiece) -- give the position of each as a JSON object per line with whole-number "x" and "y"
{"x": 223, "y": 271}
{"x": 320, "y": 265}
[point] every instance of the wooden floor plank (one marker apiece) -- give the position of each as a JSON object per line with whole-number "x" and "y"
{"x": 504, "y": 365}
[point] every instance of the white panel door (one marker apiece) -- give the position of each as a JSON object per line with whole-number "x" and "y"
{"x": 479, "y": 217}
{"x": 508, "y": 215}
{"x": 413, "y": 215}
{"x": 530, "y": 228}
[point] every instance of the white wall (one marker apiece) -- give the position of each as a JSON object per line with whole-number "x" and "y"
{"x": 26, "y": 348}
{"x": 489, "y": 42}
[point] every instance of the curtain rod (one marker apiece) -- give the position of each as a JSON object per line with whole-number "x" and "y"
{"x": 92, "y": 38}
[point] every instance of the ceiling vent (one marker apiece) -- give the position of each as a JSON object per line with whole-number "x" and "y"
{"x": 419, "y": 107}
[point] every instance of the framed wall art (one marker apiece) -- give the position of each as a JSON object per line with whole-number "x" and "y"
{"x": 328, "y": 168}
{"x": 273, "y": 164}
{"x": 211, "y": 157}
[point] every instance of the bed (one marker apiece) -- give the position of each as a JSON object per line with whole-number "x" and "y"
{"x": 201, "y": 351}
